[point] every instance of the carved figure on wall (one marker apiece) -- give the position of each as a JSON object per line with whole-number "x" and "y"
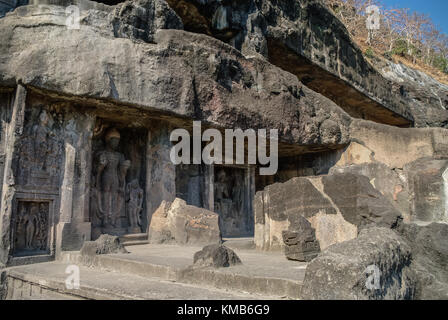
{"x": 31, "y": 223}
{"x": 31, "y": 228}
{"x": 111, "y": 179}
{"x": 223, "y": 202}
{"x": 40, "y": 156}
{"x": 134, "y": 206}
{"x": 43, "y": 223}
{"x": 41, "y": 135}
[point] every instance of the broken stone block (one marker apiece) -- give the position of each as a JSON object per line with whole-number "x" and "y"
{"x": 301, "y": 243}
{"x": 178, "y": 223}
{"x": 429, "y": 258}
{"x": 359, "y": 202}
{"x": 217, "y": 256}
{"x": 427, "y": 178}
{"x": 105, "y": 244}
{"x": 374, "y": 266}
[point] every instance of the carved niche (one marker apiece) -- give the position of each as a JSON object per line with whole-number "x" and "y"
{"x": 190, "y": 184}
{"x": 31, "y": 228}
{"x": 38, "y": 159}
{"x": 231, "y": 201}
{"x": 117, "y": 197}
{"x": 40, "y": 152}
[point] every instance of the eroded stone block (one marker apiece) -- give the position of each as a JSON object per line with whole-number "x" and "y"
{"x": 217, "y": 256}
{"x": 177, "y": 222}
{"x": 300, "y": 241}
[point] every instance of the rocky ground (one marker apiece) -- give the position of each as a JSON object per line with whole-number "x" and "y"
{"x": 161, "y": 272}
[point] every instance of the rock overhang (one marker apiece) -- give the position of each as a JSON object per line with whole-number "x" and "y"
{"x": 191, "y": 76}
{"x": 306, "y": 39}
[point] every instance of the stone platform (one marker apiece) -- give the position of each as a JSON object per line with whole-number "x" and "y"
{"x": 161, "y": 272}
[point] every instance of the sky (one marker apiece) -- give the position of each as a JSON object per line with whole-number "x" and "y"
{"x": 436, "y": 9}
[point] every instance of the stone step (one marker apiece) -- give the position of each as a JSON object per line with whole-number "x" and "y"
{"x": 134, "y": 239}
{"x": 239, "y": 243}
{"x": 135, "y": 243}
{"x": 48, "y": 281}
{"x": 261, "y": 273}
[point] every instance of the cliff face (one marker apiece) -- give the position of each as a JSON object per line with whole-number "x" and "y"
{"x": 139, "y": 69}
{"x": 183, "y": 74}
{"x": 302, "y": 37}
{"x": 429, "y": 97}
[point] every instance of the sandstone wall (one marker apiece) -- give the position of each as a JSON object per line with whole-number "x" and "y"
{"x": 336, "y": 205}
{"x": 53, "y": 195}
{"x": 406, "y": 165}
{"x": 393, "y": 146}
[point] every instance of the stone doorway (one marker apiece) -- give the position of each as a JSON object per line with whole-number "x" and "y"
{"x": 233, "y": 194}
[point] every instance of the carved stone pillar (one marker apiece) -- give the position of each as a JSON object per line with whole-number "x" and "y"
{"x": 74, "y": 226}
{"x": 14, "y": 130}
{"x": 161, "y": 172}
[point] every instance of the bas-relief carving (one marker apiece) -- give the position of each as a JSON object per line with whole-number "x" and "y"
{"x": 230, "y": 201}
{"x": 38, "y": 168}
{"x": 117, "y": 197}
{"x": 110, "y": 180}
{"x": 31, "y": 228}
{"x": 134, "y": 205}
{"x": 40, "y": 152}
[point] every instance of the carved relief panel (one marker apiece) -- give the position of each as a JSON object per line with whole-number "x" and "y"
{"x": 40, "y": 151}
{"x": 31, "y": 228}
{"x": 117, "y": 199}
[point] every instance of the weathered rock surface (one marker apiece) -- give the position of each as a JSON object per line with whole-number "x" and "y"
{"x": 337, "y": 206}
{"x": 359, "y": 202}
{"x": 141, "y": 19}
{"x": 428, "y": 187}
{"x": 394, "y": 146}
{"x": 392, "y": 183}
{"x": 182, "y": 73}
{"x": 430, "y": 258}
{"x": 301, "y": 243}
{"x": 346, "y": 271}
{"x": 429, "y": 97}
{"x": 216, "y": 256}
{"x": 105, "y": 244}
{"x": 177, "y": 222}
{"x": 292, "y": 35}
{"x": 306, "y": 39}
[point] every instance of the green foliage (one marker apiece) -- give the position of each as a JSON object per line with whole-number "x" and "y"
{"x": 388, "y": 55}
{"x": 369, "y": 53}
{"x": 441, "y": 63}
{"x": 400, "y": 48}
